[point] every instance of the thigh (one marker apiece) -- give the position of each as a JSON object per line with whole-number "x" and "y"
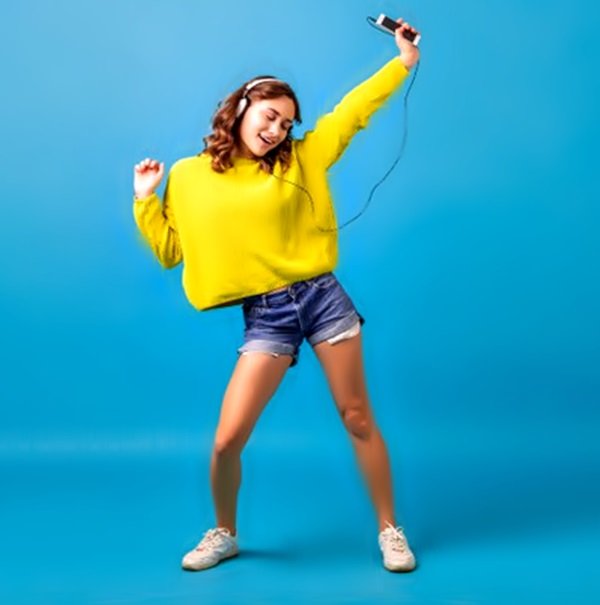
{"x": 255, "y": 379}
{"x": 343, "y": 365}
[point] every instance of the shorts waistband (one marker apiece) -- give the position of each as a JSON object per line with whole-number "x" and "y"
{"x": 290, "y": 290}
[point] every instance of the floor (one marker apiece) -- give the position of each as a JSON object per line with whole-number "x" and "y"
{"x": 109, "y": 526}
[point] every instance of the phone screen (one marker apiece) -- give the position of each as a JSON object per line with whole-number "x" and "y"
{"x": 389, "y": 23}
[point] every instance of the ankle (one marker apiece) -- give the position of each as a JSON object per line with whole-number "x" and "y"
{"x": 383, "y": 523}
{"x": 231, "y": 529}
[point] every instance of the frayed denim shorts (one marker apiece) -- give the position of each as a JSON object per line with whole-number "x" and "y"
{"x": 316, "y": 309}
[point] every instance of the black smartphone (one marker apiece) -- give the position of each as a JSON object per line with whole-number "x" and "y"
{"x": 389, "y": 26}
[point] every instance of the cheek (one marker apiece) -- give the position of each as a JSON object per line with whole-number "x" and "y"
{"x": 261, "y": 126}
{"x": 255, "y": 124}
{"x": 248, "y": 130}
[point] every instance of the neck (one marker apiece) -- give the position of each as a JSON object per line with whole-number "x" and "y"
{"x": 241, "y": 151}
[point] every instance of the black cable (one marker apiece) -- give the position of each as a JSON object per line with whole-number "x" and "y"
{"x": 404, "y": 138}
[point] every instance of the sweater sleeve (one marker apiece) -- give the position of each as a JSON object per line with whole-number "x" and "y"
{"x": 157, "y": 225}
{"x": 333, "y": 131}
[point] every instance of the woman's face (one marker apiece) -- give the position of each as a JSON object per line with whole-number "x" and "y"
{"x": 265, "y": 125}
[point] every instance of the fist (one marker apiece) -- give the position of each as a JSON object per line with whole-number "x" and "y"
{"x": 409, "y": 52}
{"x": 147, "y": 176}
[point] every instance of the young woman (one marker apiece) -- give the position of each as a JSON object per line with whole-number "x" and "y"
{"x": 252, "y": 218}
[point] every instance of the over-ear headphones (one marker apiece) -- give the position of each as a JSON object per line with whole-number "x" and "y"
{"x": 243, "y": 103}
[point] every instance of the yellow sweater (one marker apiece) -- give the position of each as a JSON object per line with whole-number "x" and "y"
{"x": 245, "y": 232}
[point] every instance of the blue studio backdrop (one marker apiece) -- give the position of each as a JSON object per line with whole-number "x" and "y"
{"x": 475, "y": 266}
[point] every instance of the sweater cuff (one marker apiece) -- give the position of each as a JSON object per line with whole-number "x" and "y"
{"x": 144, "y": 199}
{"x": 400, "y": 64}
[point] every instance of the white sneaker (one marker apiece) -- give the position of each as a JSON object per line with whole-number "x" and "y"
{"x": 217, "y": 544}
{"x": 397, "y": 555}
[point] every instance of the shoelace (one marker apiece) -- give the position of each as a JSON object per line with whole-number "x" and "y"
{"x": 211, "y": 536}
{"x": 396, "y": 537}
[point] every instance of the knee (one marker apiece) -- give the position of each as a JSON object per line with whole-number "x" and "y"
{"x": 227, "y": 446}
{"x": 358, "y": 422}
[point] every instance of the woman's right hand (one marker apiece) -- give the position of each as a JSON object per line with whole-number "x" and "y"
{"x": 410, "y": 53}
{"x": 147, "y": 176}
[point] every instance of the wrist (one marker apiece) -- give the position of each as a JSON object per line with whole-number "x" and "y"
{"x": 408, "y": 62}
{"x": 142, "y": 194}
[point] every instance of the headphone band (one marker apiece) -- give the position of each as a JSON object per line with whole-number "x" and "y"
{"x": 252, "y": 84}
{"x": 243, "y": 103}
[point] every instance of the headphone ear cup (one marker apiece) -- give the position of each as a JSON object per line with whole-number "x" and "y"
{"x": 241, "y": 106}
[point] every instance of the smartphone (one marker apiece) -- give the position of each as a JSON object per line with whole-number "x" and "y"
{"x": 389, "y": 25}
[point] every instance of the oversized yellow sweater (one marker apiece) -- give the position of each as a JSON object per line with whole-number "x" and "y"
{"x": 245, "y": 232}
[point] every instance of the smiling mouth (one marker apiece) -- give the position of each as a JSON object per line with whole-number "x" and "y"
{"x": 265, "y": 140}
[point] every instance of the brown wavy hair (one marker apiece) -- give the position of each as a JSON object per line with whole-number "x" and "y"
{"x": 225, "y": 136}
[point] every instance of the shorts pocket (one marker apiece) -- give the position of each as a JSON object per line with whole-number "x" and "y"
{"x": 253, "y": 309}
{"x": 323, "y": 281}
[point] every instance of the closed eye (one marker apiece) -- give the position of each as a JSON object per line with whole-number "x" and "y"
{"x": 272, "y": 117}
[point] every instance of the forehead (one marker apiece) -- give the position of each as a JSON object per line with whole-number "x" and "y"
{"x": 284, "y": 105}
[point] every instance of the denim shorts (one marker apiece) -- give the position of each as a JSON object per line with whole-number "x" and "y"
{"x": 316, "y": 309}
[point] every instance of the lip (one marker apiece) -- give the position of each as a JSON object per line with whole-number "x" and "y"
{"x": 264, "y": 142}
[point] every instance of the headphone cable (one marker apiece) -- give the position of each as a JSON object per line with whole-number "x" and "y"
{"x": 404, "y": 139}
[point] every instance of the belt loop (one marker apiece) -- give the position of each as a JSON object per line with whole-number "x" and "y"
{"x": 264, "y": 300}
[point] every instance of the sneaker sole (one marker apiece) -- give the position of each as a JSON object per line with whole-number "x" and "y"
{"x": 190, "y": 568}
{"x": 400, "y": 569}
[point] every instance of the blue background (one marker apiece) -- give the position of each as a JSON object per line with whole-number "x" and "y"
{"x": 475, "y": 265}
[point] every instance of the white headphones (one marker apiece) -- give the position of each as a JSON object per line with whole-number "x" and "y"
{"x": 244, "y": 100}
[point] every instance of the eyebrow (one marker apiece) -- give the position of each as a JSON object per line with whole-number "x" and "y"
{"x": 273, "y": 109}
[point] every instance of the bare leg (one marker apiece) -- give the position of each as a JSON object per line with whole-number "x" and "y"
{"x": 343, "y": 366}
{"x": 254, "y": 381}
{"x": 375, "y": 466}
{"x": 226, "y": 477}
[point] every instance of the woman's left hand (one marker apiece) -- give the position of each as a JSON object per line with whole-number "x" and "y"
{"x": 409, "y": 53}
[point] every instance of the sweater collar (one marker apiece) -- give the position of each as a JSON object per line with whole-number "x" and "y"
{"x": 243, "y": 160}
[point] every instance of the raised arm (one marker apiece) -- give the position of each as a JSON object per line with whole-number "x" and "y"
{"x": 156, "y": 221}
{"x": 334, "y": 130}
